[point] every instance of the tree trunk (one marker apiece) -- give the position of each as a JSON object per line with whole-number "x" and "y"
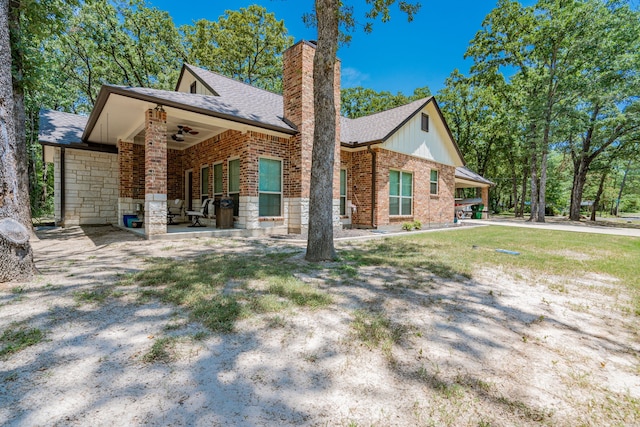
{"x": 320, "y": 242}
{"x": 16, "y": 259}
{"x": 624, "y": 180}
{"x": 20, "y": 117}
{"x": 596, "y": 201}
{"x": 534, "y": 174}
{"x": 542, "y": 188}
{"x": 577, "y": 189}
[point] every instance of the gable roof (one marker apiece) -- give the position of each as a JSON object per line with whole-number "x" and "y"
{"x": 57, "y": 127}
{"x": 243, "y": 96}
{"x": 462, "y": 172}
{"x": 378, "y": 127}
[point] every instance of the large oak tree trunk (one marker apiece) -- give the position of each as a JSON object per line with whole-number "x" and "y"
{"x": 579, "y": 179}
{"x": 320, "y": 243}
{"x": 16, "y": 259}
{"x": 596, "y": 201}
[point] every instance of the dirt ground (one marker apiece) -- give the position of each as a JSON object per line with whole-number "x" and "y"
{"x": 502, "y": 348}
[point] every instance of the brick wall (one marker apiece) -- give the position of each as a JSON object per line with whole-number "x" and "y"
{"x": 91, "y": 184}
{"x": 426, "y": 207}
{"x": 175, "y": 174}
{"x": 126, "y": 162}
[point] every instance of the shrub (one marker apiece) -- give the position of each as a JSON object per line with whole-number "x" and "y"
{"x": 417, "y": 224}
{"x": 407, "y": 226}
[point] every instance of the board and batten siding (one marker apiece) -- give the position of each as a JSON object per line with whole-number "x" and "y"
{"x": 435, "y": 145}
{"x": 187, "y": 80}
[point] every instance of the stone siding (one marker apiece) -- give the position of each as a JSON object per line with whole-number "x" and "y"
{"x": 91, "y": 187}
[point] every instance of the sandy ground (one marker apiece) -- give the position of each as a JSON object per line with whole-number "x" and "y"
{"x": 502, "y": 348}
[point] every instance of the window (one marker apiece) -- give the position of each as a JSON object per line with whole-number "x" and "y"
{"x": 343, "y": 192}
{"x": 217, "y": 179}
{"x": 204, "y": 182}
{"x": 270, "y": 187}
{"x": 425, "y": 122}
{"x": 434, "y": 181}
{"x": 234, "y": 184}
{"x": 192, "y": 88}
{"x": 400, "y": 192}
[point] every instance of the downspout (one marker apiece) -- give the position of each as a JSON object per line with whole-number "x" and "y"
{"x": 62, "y": 187}
{"x": 373, "y": 186}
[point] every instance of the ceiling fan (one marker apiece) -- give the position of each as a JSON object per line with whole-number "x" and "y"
{"x": 179, "y": 135}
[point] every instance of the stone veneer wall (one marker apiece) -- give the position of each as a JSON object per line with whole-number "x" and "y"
{"x": 91, "y": 187}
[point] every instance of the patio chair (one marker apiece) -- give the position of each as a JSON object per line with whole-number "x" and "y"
{"x": 174, "y": 209}
{"x": 202, "y": 213}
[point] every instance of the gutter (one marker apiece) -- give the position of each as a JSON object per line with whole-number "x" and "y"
{"x": 373, "y": 186}
{"x": 62, "y": 187}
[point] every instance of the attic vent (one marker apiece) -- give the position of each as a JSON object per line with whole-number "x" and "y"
{"x": 192, "y": 88}
{"x": 425, "y": 122}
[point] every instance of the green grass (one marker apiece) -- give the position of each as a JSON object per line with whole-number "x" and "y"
{"x": 16, "y": 338}
{"x": 376, "y": 330}
{"x": 97, "y": 295}
{"x": 161, "y": 351}
{"x": 542, "y": 253}
{"x": 218, "y": 289}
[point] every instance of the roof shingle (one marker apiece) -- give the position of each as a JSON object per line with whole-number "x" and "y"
{"x": 61, "y": 128}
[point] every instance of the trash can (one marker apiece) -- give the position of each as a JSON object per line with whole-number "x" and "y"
{"x": 224, "y": 213}
{"x": 477, "y": 211}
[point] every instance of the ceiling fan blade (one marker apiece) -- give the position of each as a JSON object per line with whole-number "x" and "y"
{"x": 194, "y": 132}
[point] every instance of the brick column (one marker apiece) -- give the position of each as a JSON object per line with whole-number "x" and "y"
{"x": 484, "y": 193}
{"x": 297, "y": 95}
{"x": 155, "y": 164}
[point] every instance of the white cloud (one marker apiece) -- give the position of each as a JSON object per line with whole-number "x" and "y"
{"x": 352, "y": 77}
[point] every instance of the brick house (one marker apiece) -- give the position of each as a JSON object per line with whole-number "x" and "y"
{"x": 216, "y": 137}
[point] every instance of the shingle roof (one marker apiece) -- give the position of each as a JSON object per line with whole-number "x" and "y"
{"x": 463, "y": 172}
{"x": 379, "y": 126}
{"x": 61, "y": 128}
{"x": 247, "y": 99}
{"x": 234, "y": 106}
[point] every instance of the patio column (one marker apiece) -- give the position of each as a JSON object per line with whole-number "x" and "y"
{"x": 155, "y": 164}
{"x": 484, "y": 193}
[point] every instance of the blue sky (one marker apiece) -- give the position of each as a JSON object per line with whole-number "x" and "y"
{"x": 397, "y": 56}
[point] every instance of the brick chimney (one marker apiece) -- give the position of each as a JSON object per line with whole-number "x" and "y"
{"x": 297, "y": 94}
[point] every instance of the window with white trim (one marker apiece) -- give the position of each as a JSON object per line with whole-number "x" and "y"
{"x": 270, "y": 187}
{"x": 434, "y": 181}
{"x": 400, "y": 192}
{"x": 343, "y": 192}
{"x": 204, "y": 182}
{"x": 234, "y": 184}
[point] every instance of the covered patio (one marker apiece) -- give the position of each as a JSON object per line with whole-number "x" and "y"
{"x": 172, "y": 148}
